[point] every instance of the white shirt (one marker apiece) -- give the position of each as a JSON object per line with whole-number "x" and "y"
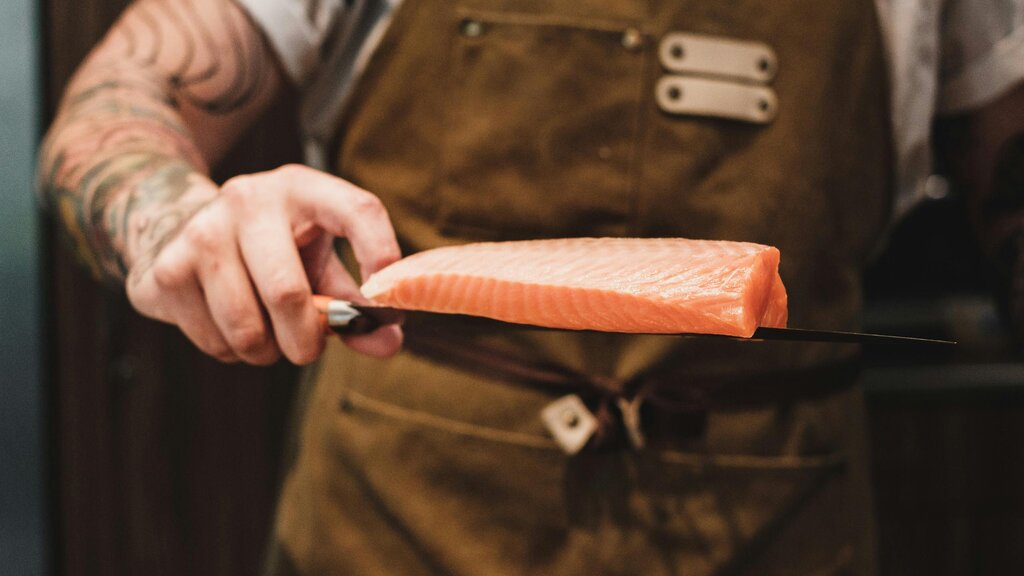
{"x": 945, "y": 57}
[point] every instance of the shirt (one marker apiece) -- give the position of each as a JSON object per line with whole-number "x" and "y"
{"x": 945, "y": 57}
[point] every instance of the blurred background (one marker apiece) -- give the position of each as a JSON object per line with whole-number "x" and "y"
{"x": 123, "y": 451}
{"x": 23, "y": 534}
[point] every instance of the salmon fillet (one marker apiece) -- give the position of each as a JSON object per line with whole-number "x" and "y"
{"x": 635, "y": 285}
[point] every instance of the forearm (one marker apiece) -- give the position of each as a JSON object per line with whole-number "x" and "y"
{"x": 166, "y": 93}
{"x": 116, "y": 152}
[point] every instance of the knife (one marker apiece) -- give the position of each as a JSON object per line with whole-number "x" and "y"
{"x": 350, "y": 319}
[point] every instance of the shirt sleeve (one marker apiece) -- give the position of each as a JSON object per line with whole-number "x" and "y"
{"x": 982, "y": 46}
{"x": 296, "y": 30}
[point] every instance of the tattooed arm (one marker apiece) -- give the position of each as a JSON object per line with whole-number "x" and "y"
{"x": 163, "y": 95}
{"x": 124, "y": 165}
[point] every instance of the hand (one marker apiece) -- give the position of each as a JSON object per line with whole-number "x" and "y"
{"x": 238, "y": 273}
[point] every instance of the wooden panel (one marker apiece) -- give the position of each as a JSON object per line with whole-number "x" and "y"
{"x": 166, "y": 462}
{"x": 948, "y": 472}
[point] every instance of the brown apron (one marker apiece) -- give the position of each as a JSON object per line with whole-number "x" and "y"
{"x": 500, "y": 119}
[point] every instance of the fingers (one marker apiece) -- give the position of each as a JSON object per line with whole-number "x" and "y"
{"x": 335, "y": 281}
{"x": 344, "y": 209}
{"x": 278, "y": 270}
{"x": 384, "y": 342}
{"x": 209, "y": 240}
{"x": 234, "y": 308}
{"x": 195, "y": 322}
{"x": 237, "y": 277}
{"x": 169, "y": 291}
{"x": 322, "y": 269}
{"x": 269, "y": 251}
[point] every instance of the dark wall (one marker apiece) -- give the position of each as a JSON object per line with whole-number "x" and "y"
{"x": 946, "y": 426}
{"x": 166, "y": 462}
{"x": 948, "y": 471}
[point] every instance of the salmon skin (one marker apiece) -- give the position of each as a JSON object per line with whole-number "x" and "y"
{"x": 632, "y": 285}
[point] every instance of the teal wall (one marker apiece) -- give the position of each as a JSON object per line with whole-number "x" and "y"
{"x": 22, "y": 535}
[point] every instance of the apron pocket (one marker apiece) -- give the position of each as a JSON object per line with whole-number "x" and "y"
{"x": 460, "y": 468}
{"x": 541, "y": 126}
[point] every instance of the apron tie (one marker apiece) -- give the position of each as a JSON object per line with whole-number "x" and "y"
{"x": 599, "y": 410}
{"x": 615, "y": 403}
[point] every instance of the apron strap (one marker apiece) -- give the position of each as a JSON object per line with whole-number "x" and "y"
{"x": 672, "y": 396}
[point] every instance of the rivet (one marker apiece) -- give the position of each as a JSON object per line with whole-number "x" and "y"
{"x": 632, "y": 39}
{"x": 763, "y": 64}
{"x": 472, "y": 28}
{"x": 675, "y": 93}
{"x": 763, "y": 105}
{"x": 677, "y": 51}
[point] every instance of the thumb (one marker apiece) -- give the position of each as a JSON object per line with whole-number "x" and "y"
{"x": 335, "y": 281}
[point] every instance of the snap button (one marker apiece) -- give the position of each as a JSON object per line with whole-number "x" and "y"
{"x": 632, "y": 39}
{"x": 570, "y": 423}
{"x": 472, "y": 28}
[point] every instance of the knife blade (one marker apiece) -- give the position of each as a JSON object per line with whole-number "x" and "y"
{"x": 350, "y": 319}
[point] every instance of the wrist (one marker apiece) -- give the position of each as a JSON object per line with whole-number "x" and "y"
{"x": 158, "y": 207}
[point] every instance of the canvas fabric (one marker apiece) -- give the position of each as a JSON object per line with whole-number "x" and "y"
{"x": 484, "y": 120}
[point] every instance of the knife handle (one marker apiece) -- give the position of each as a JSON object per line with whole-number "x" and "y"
{"x": 348, "y": 319}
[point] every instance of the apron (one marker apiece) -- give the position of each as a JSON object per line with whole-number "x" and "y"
{"x": 484, "y": 120}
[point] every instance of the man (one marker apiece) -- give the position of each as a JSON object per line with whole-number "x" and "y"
{"x": 498, "y": 120}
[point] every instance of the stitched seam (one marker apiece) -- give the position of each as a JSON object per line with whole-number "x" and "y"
{"x": 779, "y": 463}
{"x": 553, "y": 20}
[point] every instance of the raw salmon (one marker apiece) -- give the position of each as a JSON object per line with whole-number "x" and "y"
{"x": 637, "y": 285}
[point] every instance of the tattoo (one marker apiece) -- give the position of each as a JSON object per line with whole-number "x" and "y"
{"x": 161, "y": 230}
{"x": 216, "y": 76}
{"x": 119, "y": 165}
